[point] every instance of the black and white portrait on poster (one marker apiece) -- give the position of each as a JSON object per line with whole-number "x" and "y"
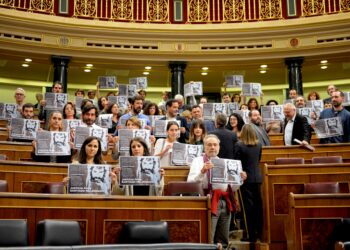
{"x": 107, "y": 82}
{"x": 226, "y": 171}
{"x": 140, "y": 170}
{"x": 89, "y": 179}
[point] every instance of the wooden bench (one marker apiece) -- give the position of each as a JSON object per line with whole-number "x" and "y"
{"x": 311, "y": 219}
{"x": 280, "y": 180}
{"x": 102, "y": 217}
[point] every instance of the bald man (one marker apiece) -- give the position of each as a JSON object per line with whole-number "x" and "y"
{"x": 295, "y": 126}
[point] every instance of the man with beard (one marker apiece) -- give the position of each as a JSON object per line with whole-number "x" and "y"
{"x": 28, "y": 111}
{"x": 172, "y": 110}
{"x": 89, "y": 116}
{"x": 337, "y": 111}
{"x": 135, "y": 110}
{"x": 222, "y": 199}
{"x": 255, "y": 119}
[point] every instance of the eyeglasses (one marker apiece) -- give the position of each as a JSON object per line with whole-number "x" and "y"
{"x": 19, "y": 94}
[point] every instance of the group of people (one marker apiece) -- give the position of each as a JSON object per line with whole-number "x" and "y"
{"x": 224, "y": 137}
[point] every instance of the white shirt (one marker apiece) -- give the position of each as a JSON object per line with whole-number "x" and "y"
{"x": 288, "y": 131}
{"x": 195, "y": 175}
{"x": 161, "y": 144}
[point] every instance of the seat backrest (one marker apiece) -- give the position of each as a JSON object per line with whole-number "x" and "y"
{"x": 184, "y": 188}
{"x": 285, "y": 161}
{"x": 145, "y": 232}
{"x": 54, "y": 188}
{"x": 321, "y": 188}
{"x": 327, "y": 159}
{"x": 13, "y": 233}
{"x": 58, "y": 233}
{"x": 3, "y": 186}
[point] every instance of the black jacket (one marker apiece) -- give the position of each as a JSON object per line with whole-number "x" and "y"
{"x": 301, "y": 129}
{"x": 228, "y": 140}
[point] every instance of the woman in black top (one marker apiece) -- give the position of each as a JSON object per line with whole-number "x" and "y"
{"x": 248, "y": 151}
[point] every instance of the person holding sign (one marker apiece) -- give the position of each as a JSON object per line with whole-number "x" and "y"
{"x": 337, "y": 111}
{"x": 248, "y": 151}
{"x": 222, "y": 202}
{"x": 55, "y": 125}
{"x": 163, "y": 147}
{"x": 138, "y": 147}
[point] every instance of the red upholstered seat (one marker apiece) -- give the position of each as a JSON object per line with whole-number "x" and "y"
{"x": 285, "y": 161}
{"x": 185, "y": 188}
{"x": 321, "y": 188}
{"x": 327, "y": 159}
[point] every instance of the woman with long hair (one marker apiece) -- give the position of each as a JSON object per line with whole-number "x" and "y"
{"x": 69, "y": 111}
{"x": 138, "y": 147}
{"x": 253, "y": 104}
{"x": 102, "y": 104}
{"x": 197, "y": 132}
{"x": 163, "y": 147}
{"x": 91, "y": 151}
{"x": 113, "y": 109}
{"x": 151, "y": 109}
{"x": 235, "y": 123}
{"x": 248, "y": 151}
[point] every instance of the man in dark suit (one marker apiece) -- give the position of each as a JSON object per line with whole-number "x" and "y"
{"x": 227, "y": 138}
{"x": 295, "y": 126}
{"x": 172, "y": 109}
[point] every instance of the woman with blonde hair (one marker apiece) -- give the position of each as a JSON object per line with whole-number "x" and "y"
{"x": 248, "y": 151}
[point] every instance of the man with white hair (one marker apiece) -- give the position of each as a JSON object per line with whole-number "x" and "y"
{"x": 181, "y": 101}
{"x": 20, "y": 96}
{"x": 222, "y": 202}
{"x": 295, "y": 126}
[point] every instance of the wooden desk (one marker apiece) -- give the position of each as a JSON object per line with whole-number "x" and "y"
{"x": 311, "y": 219}
{"x": 25, "y": 176}
{"x": 280, "y": 180}
{"x": 16, "y": 150}
{"x": 101, "y": 217}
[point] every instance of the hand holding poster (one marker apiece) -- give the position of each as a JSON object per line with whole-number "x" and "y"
{"x": 251, "y": 89}
{"x": 139, "y": 170}
{"x": 226, "y": 171}
{"x": 107, "y": 82}
{"x": 105, "y": 120}
{"x": 160, "y": 128}
{"x": 193, "y": 89}
{"x": 24, "y": 128}
{"x": 329, "y": 127}
{"x": 81, "y": 133}
{"x": 183, "y": 154}
{"x": 55, "y": 101}
{"x": 71, "y": 124}
{"x": 8, "y": 110}
{"x": 234, "y": 81}
{"x": 89, "y": 179}
{"x": 125, "y": 136}
{"x": 52, "y": 143}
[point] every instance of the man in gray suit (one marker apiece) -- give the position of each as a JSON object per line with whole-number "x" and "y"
{"x": 255, "y": 119}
